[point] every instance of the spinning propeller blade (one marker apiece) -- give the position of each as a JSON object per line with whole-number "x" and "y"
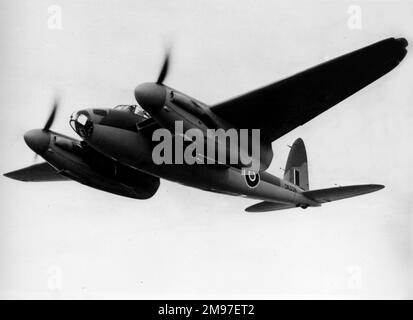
{"x": 52, "y": 115}
{"x": 49, "y": 121}
{"x": 165, "y": 67}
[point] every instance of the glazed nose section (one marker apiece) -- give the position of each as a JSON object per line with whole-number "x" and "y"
{"x": 37, "y": 140}
{"x": 150, "y": 97}
{"x": 81, "y": 123}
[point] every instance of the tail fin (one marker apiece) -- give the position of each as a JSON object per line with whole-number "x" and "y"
{"x": 296, "y": 169}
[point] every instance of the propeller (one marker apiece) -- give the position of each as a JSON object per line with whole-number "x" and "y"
{"x": 151, "y": 96}
{"x": 50, "y": 119}
{"x": 165, "y": 66}
{"x": 52, "y": 115}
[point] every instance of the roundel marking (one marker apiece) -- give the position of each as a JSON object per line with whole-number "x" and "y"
{"x": 252, "y": 179}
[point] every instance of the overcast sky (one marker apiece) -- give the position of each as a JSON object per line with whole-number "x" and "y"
{"x": 65, "y": 240}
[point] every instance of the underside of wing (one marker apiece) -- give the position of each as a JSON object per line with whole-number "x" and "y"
{"x": 36, "y": 173}
{"x": 338, "y": 193}
{"x": 282, "y": 106}
{"x": 265, "y": 206}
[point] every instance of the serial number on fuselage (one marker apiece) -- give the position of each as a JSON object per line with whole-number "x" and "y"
{"x": 290, "y": 188}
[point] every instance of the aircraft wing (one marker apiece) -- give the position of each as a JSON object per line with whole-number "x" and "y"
{"x": 338, "y": 193}
{"x": 36, "y": 173}
{"x": 284, "y": 105}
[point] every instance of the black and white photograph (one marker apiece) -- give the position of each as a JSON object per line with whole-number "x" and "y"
{"x": 206, "y": 151}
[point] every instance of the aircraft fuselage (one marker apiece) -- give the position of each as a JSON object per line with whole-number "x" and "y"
{"x": 135, "y": 149}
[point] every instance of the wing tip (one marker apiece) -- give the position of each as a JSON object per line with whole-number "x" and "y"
{"x": 400, "y": 48}
{"x": 376, "y": 187}
{"x": 14, "y": 175}
{"x": 403, "y": 42}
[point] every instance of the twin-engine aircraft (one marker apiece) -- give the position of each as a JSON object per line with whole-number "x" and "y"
{"x": 115, "y": 152}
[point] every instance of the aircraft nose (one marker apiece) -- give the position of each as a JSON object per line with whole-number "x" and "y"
{"x": 151, "y": 97}
{"x": 37, "y": 140}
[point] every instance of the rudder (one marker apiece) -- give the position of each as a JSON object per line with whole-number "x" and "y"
{"x": 296, "y": 168}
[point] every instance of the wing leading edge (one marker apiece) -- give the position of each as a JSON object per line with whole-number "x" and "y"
{"x": 284, "y": 105}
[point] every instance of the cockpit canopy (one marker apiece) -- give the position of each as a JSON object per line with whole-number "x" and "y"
{"x": 126, "y": 117}
{"x": 133, "y": 108}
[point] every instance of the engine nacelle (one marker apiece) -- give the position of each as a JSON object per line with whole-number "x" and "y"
{"x": 78, "y": 161}
{"x": 173, "y": 109}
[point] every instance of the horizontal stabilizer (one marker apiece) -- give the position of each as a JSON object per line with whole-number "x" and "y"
{"x": 338, "y": 193}
{"x": 36, "y": 173}
{"x": 265, "y": 206}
